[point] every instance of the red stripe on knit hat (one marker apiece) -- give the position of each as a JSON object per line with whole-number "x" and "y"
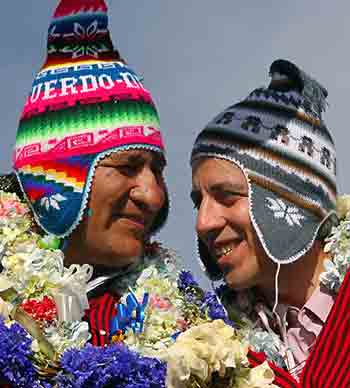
{"x": 71, "y": 7}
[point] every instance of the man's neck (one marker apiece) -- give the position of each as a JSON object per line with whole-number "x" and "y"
{"x": 298, "y": 281}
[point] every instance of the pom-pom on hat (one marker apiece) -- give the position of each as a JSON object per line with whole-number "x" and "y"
{"x": 85, "y": 103}
{"x": 278, "y": 138}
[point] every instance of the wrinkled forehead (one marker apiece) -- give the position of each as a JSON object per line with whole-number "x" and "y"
{"x": 215, "y": 171}
{"x": 136, "y": 156}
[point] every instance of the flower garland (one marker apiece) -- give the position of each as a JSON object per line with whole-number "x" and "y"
{"x": 338, "y": 246}
{"x": 44, "y": 342}
{"x": 244, "y": 306}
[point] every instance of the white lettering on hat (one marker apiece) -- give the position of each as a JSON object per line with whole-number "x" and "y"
{"x": 36, "y": 93}
{"x": 86, "y": 86}
{"x": 49, "y": 89}
{"x": 61, "y": 87}
{"x": 131, "y": 80}
{"x": 105, "y": 81}
{"x": 69, "y": 84}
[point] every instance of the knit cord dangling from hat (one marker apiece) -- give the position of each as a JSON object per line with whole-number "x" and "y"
{"x": 85, "y": 103}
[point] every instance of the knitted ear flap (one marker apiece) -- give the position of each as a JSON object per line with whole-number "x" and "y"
{"x": 211, "y": 268}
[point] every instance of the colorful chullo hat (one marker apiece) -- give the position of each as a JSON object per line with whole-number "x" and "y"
{"x": 278, "y": 138}
{"x": 85, "y": 103}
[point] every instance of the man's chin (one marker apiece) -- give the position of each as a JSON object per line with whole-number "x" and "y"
{"x": 116, "y": 263}
{"x": 238, "y": 283}
{"x": 120, "y": 258}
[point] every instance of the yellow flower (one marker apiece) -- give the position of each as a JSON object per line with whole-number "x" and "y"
{"x": 343, "y": 206}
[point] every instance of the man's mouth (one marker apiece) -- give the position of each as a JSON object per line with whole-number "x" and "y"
{"x": 220, "y": 250}
{"x": 223, "y": 251}
{"x": 133, "y": 220}
{"x": 138, "y": 221}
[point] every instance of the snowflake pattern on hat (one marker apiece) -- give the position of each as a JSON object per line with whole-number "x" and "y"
{"x": 282, "y": 211}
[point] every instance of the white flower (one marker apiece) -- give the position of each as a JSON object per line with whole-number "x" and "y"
{"x": 261, "y": 376}
{"x": 203, "y": 350}
{"x": 343, "y": 206}
{"x": 5, "y": 309}
{"x": 68, "y": 335}
{"x": 338, "y": 247}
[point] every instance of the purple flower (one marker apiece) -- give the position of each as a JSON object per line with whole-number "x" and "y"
{"x": 186, "y": 280}
{"x": 15, "y": 352}
{"x": 214, "y": 307}
{"x": 113, "y": 366}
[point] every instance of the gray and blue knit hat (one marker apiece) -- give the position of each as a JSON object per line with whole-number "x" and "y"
{"x": 278, "y": 138}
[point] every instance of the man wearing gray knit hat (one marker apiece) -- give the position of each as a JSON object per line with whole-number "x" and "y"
{"x": 264, "y": 184}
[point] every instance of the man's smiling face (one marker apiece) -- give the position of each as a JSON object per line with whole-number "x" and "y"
{"x": 220, "y": 193}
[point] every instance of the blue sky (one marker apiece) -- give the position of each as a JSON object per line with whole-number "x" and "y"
{"x": 197, "y": 57}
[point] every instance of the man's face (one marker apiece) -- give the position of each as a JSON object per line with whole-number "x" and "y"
{"x": 220, "y": 193}
{"x": 127, "y": 193}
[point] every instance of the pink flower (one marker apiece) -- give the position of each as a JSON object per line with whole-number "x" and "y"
{"x": 159, "y": 302}
{"x": 11, "y": 206}
{"x": 182, "y": 324}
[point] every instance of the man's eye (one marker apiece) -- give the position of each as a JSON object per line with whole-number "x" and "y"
{"x": 229, "y": 197}
{"x": 226, "y": 194}
{"x": 127, "y": 169}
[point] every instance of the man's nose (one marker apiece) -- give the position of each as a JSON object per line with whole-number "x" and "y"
{"x": 210, "y": 217}
{"x": 150, "y": 190}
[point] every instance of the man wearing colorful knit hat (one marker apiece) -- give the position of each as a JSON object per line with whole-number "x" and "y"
{"x": 264, "y": 184}
{"x": 89, "y": 154}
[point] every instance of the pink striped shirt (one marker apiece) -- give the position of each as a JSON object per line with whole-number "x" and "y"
{"x": 300, "y": 327}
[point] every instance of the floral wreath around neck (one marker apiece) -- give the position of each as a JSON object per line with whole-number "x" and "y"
{"x": 168, "y": 332}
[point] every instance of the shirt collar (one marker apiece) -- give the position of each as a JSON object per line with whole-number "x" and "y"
{"x": 320, "y": 304}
